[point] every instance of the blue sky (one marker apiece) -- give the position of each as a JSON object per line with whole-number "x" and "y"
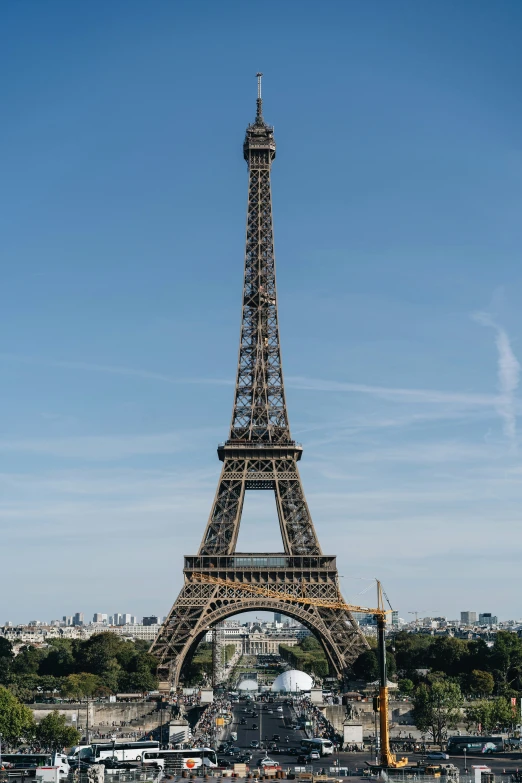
{"x": 397, "y": 197}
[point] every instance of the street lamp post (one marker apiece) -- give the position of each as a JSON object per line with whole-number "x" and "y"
{"x": 465, "y": 762}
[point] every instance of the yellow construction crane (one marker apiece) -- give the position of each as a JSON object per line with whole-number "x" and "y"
{"x": 388, "y": 759}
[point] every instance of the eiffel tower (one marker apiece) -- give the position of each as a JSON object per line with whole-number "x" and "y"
{"x": 259, "y": 454}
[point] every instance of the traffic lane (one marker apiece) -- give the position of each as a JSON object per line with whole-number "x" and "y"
{"x": 267, "y": 724}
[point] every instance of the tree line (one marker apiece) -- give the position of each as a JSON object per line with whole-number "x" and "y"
{"x": 453, "y": 681}
{"x": 73, "y": 668}
{"x": 479, "y": 669}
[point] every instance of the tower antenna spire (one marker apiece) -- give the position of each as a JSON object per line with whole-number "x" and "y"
{"x": 259, "y": 114}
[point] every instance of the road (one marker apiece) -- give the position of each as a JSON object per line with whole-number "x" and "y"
{"x": 270, "y": 723}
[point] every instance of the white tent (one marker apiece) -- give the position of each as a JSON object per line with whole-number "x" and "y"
{"x": 248, "y": 685}
{"x": 292, "y": 681}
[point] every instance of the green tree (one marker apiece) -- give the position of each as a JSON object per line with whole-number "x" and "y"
{"x": 80, "y": 686}
{"x": 60, "y": 659}
{"x": 506, "y": 662}
{"x": 16, "y": 720}
{"x": 448, "y": 655}
{"x": 479, "y": 716}
{"x": 27, "y": 661}
{"x": 504, "y": 714}
{"x": 99, "y": 655}
{"x": 412, "y": 651}
{"x": 481, "y": 683}
{"x": 46, "y": 684}
{"x": 53, "y": 733}
{"x": 366, "y": 667}
{"x": 139, "y": 681}
{"x": 310, "y": 643}
{"x": 24, "y": 686}
{"x": 437, "y": 708}
{"x": 6, "y": 659}
{"x": 406, "y": 686}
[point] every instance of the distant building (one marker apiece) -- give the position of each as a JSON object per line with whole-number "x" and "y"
{"x": 487, "y": 619}
{"x": 147, "y": 632}
{"x": 392, "y": 618}
{"x": 152, "y": 620}
{"x": 468, "y": 618}
{"x": 78, "y": 618}
{"x": 98, "y": 617}
{"x": 278, "y": 617}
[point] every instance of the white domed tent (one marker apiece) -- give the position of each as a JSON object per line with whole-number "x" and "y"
{"x": 292, "y": 681}
{"x": 248, "y": 685}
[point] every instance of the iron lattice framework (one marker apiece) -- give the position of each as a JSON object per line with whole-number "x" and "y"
{"x": 258, "y": 455}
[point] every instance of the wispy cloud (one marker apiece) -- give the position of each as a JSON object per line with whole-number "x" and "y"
{"x": 433, "y": 396}
{"x": 423, "y": 396}
{"x": 111, "y": 369}
{"x": 508, "y": 376}
{"x": 105, "y": 447}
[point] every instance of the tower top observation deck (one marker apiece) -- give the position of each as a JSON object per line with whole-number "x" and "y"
{"x": 259, "y": 136}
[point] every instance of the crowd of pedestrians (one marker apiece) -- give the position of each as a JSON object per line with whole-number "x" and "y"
{"x": 204, "y": 733}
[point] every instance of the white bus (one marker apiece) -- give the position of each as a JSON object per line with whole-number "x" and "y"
{"x": 323, "y": 746}
{"x": 121, "y": 751}
{"x": 187, "y": 758}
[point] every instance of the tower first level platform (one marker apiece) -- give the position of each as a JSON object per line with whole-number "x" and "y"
{"x": 218, "y": 586}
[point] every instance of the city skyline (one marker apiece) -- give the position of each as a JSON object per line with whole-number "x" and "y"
{"x": 467, "y": 617}
{"x": 400, "y": 327}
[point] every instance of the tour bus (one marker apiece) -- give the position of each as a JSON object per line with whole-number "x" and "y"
{"x": 323, "y": 746}
{"x": 26, "y": 764}
{"x": 120, "y": 751}
{"x": 474, "y": 745}
{"x": 191, "y": 758}
{"x": 78, "y": 752}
